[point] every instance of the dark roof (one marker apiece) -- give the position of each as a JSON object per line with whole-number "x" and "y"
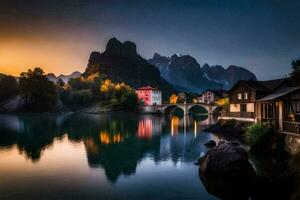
{"x": 256, "y": 85}
{"x": 147, "y": 88}
{"x": 263, "y": 86}
{"x": 279, "y": 93}
{"x": 274, "y": 84}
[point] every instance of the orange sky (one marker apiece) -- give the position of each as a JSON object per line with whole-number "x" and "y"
{"x": 58, "y": 54}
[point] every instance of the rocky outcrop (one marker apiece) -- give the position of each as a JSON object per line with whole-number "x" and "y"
{"x": 121, "y": 63}
{"x": 116, "y": 48}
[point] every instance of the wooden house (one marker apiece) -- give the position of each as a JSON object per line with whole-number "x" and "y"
{"x": 243, "y": 96}
{"x": 281, "y": 109}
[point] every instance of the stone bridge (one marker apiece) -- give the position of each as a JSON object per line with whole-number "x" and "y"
{"x": 186, "y": 107}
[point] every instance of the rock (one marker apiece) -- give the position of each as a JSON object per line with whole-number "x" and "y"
{"x": 210, "y": 144}
{"x": 226, "y": 160}
{"x": 226, "y": 172}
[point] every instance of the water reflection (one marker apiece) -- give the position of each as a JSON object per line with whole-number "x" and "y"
{"x": 116, "y": 143}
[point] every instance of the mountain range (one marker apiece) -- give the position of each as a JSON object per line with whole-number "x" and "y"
{"x": 64, "y": 78}
{"x": 186, "y": 74}
{"x": 177, "y": 73}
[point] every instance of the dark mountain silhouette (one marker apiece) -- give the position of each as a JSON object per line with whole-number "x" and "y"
{"x": 185, "y": 73}
{"x": 121, "y": 63}
{"x": 227, "y": 77}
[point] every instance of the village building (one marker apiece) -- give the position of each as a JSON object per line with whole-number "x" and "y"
{"x": 182, "y": 97}
{"x": 244, "y": 95}
{"x": 281, "y": 109}
{"x": 210, "y": 96}
{"x": 149, "y": 96}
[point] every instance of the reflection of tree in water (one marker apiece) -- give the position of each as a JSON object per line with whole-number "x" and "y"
{"x": 36, "y": 132}
{"x": 118, "y": 158}
{"x": 113, "y": 142}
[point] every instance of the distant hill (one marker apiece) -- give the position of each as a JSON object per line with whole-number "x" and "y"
{"x": 63, "y": 77}
{"x": 121, "y": 63}
{"x": 185, "y": 73}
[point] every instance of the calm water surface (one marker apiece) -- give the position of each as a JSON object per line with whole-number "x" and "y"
{"x": 113, "y": 156}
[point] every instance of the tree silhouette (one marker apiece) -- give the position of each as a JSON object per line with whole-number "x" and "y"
{"x": 37, "y": 91}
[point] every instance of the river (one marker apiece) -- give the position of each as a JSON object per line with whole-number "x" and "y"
{"x": 108, "y": 156}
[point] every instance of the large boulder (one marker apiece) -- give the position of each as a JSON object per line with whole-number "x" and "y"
{"x": 226, "y": 172}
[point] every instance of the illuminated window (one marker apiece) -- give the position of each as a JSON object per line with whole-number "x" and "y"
{"x": 246, "y": 95}
{"x": 239, "y": 96}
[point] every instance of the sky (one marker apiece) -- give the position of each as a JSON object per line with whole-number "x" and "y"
{"x": 59, "y": 35}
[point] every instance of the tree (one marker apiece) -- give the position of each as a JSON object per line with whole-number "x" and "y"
{"x": 37, "y": 91}
{"x": 295, "y": 74}
{"x": 129, "y": 100}
{"x": 79, "y": 83}
{"x": 8, "y": 87}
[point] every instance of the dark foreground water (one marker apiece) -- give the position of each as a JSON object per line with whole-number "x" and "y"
{"x": 115, "y": 156}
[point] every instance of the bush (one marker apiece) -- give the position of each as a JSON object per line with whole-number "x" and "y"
{"x": 129, "y": 100}
{"x": 258, "y": 136}
{"x": 76, "y": 98}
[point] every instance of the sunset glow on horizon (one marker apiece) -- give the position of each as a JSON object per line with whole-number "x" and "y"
{"x": 58, "y": 55}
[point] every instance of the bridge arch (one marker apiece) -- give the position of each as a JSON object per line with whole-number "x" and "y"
{"x": 170, "y": 108}
{"x": 216, "y": 109}
{"x": 204, "y": 108}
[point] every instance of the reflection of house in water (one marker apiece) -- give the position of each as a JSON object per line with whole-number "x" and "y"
{"x": 149, "y": 126}
{"x": 107, "y": 138}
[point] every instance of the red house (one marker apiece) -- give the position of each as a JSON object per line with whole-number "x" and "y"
{"x": 149, "y": 95}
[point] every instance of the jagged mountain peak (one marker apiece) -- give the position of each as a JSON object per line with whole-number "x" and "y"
{"x": 185, "y": 72}
{"x": 116, "y": 48}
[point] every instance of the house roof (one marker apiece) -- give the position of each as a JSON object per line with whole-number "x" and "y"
{"x": 219, "y": 92}
{"x": 263, "y": 86}
{"x": 147, "y": 88}
{"x": 279, "y": 93}
{"x": 273, "y": 84}
{"x": 256, "y": 85}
